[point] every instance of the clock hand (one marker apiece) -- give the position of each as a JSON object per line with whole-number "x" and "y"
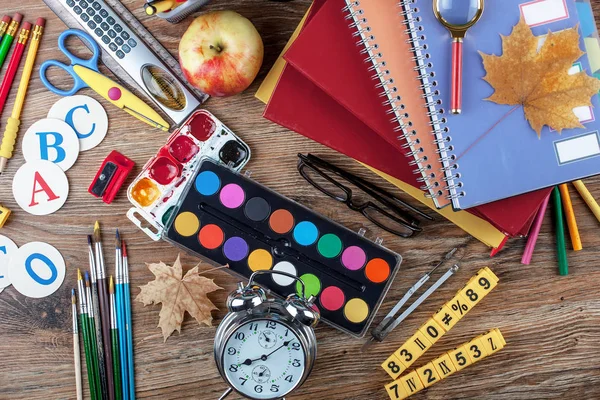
{"x": 285, "y": 344}
{"x": 264, "y": 357}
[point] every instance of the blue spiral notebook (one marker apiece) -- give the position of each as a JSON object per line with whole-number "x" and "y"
{"x": 510, "y": 160}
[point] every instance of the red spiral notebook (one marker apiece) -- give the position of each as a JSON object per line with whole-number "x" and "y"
{"x": 327, "y": 93}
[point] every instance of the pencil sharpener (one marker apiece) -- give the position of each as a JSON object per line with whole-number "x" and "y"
{"x": 111, "y": 176}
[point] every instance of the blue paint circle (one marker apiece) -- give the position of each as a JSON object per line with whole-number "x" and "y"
{"x": 306, "y": 233}
{"x": 207, "y": 183}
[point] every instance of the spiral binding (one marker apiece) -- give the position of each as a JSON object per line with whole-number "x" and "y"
{"x": 410, "y": 12}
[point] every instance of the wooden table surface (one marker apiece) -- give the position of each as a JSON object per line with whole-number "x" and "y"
{"x": 551, "y": 323}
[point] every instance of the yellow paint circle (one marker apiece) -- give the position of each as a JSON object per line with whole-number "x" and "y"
{"x": 187, "y": 224}
{"x": 260, "y": 260}
{"x": 356, "y": 310}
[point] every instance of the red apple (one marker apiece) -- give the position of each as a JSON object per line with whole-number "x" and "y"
{"x": 221, "y": 53}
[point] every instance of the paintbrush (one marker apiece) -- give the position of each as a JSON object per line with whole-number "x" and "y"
{"x": 128, "y": 325}
{"x": 94, "y": 305}
{"x": 120, "y": 308}
{"x": 93, "y": 338}
{"x": 104, "y": 310}
{"x": 76, "y": 350}
{"x": 83, "y": 321}
{"x": 114, "y": 339}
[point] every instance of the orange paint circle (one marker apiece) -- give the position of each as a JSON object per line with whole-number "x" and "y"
{"x": 211, "y": 236}
{"x": 377, "y": 270}
{"x": 281, "y": 221}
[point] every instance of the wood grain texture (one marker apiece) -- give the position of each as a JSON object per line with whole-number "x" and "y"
{"x": 551, "y": 324}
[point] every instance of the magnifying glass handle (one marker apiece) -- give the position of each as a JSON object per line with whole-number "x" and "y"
{"x": 457, "y": 67}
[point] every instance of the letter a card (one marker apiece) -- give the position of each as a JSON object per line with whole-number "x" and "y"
{"x": 40, "y": 187}
{"x": 37, "y": 270}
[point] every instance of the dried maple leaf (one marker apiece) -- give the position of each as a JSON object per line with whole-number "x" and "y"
{"x": 178, "y": 294}
{"x": 539, "y": 80}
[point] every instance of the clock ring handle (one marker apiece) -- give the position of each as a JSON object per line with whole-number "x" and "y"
{"x": 294, "y": 277}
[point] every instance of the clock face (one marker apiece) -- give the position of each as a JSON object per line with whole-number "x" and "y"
{"x": 264, "y": 359}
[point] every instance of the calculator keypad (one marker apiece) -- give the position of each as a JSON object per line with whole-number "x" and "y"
{"x": 104, "y": 26}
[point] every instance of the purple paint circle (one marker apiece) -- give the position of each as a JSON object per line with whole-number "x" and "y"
{"x": 114, "y": 93}
{"x": 232, "y": 195}
{"x": 354, "y": 258}
{"x": 235, "y": 248}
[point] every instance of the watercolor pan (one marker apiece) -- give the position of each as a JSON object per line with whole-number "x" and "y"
{"x": 156, "y": 190}
{"x": 230, "y": 219}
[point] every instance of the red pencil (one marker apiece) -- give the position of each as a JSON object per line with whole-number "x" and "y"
{"x": 13, "y": 65}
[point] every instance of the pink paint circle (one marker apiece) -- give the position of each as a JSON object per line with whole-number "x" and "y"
{"x": 332, "y": 298}
{"x": 354, "y": 258}
{"x": 114, "y": 93}
{"x": 232, "y": 195}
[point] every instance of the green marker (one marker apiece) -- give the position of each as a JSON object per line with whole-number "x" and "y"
{"x": 561, "y": 247}
{"x": 8, "y": 38}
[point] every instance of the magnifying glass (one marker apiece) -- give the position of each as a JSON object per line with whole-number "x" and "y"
{"x": 457, "y": 16}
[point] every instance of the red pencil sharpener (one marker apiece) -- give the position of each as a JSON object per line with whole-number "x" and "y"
{"x": 111, "y": 176}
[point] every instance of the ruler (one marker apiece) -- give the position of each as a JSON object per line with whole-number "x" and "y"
{"x": 151, "y": 43}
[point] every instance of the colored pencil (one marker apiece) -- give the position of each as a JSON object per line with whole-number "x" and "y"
{"x": 104, "y": 309}
{"x": 588, "y": 198}
{"x": 159, "y": 6}
{"x": 570, "y": 214}
{"x": 534, "y": 233}
{"x": 13, "y": 64}
{"x": 97, "y": 326}
{"x": 6, "y": 20}
{"x": 76, "y": 350}
{"x": 83, "y": 321}
{"x": 12, "y": 127}
{"x": 115, "y": 339}
{"x": 93, "y": 338}
{"x": 121, "y": 316}
{"x": 561, "y": 248}
{"x": 128, "y": 324}
{"x": 9, "y": 37}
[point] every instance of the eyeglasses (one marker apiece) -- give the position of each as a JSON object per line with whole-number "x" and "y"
{"x": 395, "y": 215}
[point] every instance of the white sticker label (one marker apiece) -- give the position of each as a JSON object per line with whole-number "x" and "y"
{"x": 40, "y": 187}
{"x": 85, "y": 115}
{"x": 37, "y": 270}
{"x": 541, "y": 12}
{"x": 51, "y": 140}
{"x": 577, "y": 148}
{"x": 7, "y": 249}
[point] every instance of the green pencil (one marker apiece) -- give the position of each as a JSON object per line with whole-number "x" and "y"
{"x": 8, "y": 38}
{"x": 93, "y": 339}
{"x": 86, "y": 337}
{"x": 115, "y": 340}
{"x": 561, "y": 247}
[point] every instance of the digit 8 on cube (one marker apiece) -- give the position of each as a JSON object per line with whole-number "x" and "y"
{"x": 393, "y": 366}
{"x": 479, "y": 286}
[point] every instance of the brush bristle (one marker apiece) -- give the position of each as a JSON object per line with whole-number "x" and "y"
{"x": 118, "y": 240}
{"x": 97, "y": 237}
{"x": 79, "y": 277}
{"x": 124, "y": 248}
{"x": 111, "y": 285}
{"x": 89, "y": 239}
{"x": 87, "y": 277}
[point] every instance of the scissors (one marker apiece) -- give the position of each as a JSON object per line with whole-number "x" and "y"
{"x": 85, "y": 73}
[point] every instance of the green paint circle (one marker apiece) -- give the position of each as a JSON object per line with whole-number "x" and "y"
{"x": 330, "y": 245}
{"x": 312, "y": 284}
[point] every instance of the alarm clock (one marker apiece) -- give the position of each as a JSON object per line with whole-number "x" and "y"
{"x": 266, "y": 347}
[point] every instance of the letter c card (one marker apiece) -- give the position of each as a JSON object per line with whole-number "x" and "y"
{"x": 37, "y": 270}
{"x": 7, "y": 249}
{"x": 51, "y": 140}
{"x": 85, "y": 115}
{"x": 40, "y": 187}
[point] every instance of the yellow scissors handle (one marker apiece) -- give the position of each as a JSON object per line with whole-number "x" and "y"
{"x": 120, "y": 97}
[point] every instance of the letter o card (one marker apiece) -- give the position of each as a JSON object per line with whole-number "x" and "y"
{"x": 37, "y": 270}
{"x": 86, "y": 116}
{"x": 51, "y": 140}
{"x": 40, "y": 187}
{"x": 7, "y": 249}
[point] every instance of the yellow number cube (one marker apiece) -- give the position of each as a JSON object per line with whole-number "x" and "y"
{"x": 460, "y": 357}
{"x": 445, "y": 317}
{"x": 493, "y": 341}
{"x": 476, "y": 349}
{"x": 459, "y": 306}
{"x": 444, "y": 366}
{"x": 393, "y": 366}
{"x": 4, "y": 213}
{"x": 428, "y": 375}
{"x": 490, "y": 275}
{"x": 396, "y": 391}
{"x": 412, "y": 349}
{"x": 432, "y": 330}
{"x": 411, "y": 382}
